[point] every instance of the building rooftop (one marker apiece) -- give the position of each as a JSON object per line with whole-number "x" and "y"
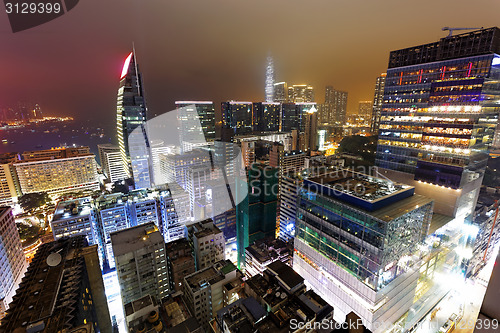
{"x": 357, "y": 189}
{"x": 135, "y": 238}
{"x": 72, "y": 209}
{"x": 266, "y": 249}
{"x": 285, "y": 275}
{"x": 209, "y": 275}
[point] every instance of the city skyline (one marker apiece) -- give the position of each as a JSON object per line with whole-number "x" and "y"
{"x": 97, "y": 51}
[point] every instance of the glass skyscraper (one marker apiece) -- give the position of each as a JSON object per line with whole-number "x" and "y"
{"x": 438, "y": 117}
{"x": 131, "y": 119}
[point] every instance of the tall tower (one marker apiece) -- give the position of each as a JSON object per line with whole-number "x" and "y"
{"x": 378, "y": 99}
{"x": 269, "y": 79}
{"x": 131, "y": 119}
{"x": 438, "y": 117}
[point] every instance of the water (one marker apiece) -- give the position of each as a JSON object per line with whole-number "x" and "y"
{"x": 54, "y": 134}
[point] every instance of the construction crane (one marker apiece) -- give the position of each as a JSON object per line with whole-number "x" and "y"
{"x": 453, "y": 29}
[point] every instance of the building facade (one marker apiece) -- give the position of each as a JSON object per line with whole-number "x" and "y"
{"x": 378, "y": 100}
{"x": 439, "y": 117}
{"x": 355, "y": 235}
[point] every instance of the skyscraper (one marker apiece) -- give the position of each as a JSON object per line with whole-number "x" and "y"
{"x": 62, "y": 291}
{"x": 269, "y": 80}
{"x": 111, "y": 162}
{"x": 439, "y": 116}
{"x": 355, "y": 235}
{"x": 194, "y": 115}
{"x": 378, "y": 100}
{"x": 334, "y": 110}
{"x": 300, "y": 93}
{"x": 141, "y": 262}
{"x": 9, "y": 186}
{"x": 131, "y": 124}
{"x": 266, "y": 116}
{"x": 280, "y": 92}
{"x": 12, "y": 259}
{"x": 365, "y": 108}
{"x": 237, "y": 116}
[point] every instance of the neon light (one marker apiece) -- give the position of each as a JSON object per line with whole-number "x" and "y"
{"x": 444, "y": 71}
{"x": 125, "y": 65}
{"x": 470, "y": 67}
{"x": 420, "y": 76}
{"x": 401, "y": 79}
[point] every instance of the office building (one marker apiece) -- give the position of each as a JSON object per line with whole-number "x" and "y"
{"x": 309, "y": 141}
{"x": 57, "y": 171}
{"x": 286, "y": 161}
{"x": 280, "y": 92}
{"x": 266, "y": 116}
{"x": 264, "y": 252}
{"x": 300, "y": 93}
{"x": 75, "y": 217}
{"x": 290, "y": 184}
{"x": 111, "y": 162}
{"x": 159, "y": 148}
{"x": 355, "y": 235}
{"x": 365, "y": 109}
{"x": 334, "y": 111}
{"x": 206, "y": 291}
{"x": 62, "y": 290}
{"x": 378, "y": 100}
{"x": 175, "y": 212}
{"x": 141, "y": 262}
{"x": 237, "y": 116}
{"x": 193, "y": 115}
{"x": 196, "y": 185}
{"x": 9, "y": 185}
{"x": 131, "y": 117}
{"x": 208, "y": 243}
{"x": 175, "y": 168}
{"x": 12, "y": 259}
{"x": 180, "y": 261}
{"x": 256, "y": 212}
{"x": 439, "y": 117}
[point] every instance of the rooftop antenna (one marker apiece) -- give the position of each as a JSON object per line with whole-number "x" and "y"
{"x": 453, "y": 29}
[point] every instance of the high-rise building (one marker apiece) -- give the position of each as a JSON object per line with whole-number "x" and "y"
{"x": 266, "y": 116}
{"x": 280, "y": 92}
{"x": 175, "y": 168}
{"x": 269, "y": 90}
{"x": 131, "y": 120}
{"x": 75, "y": 217}
{"x": 9, "y": 185}
{"x": 12, "y": 259}
{"x": 309, "y": 141}
{"x": 439, "y": 117}
{"x": 176, "y": 212}
{"x": 237, "y": 116}
{"x": 256, "y": 212}
{"x": 365, "y": 109}
{"x": 355, "y": 235}
{"x": 111, "y": 162}
{"x": 208, "y": 243}
{"x": 158, "y": 148}
{"x": 378, "y": 100}
{"x": 205, "y": 290}
{"x": 334, "y": 111}
{"x": 62, "y": 291}
{"x": 286, "y": 161}
{"x": 290, "y": 184}
{"x": 180, "y": 262}
{"x": 57, "y": 171}
{"x": 141, "y": 262}
{"x": 300, "y": 93}
{"x": 192, "y": 115}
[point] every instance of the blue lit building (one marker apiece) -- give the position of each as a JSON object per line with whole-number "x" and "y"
{"x": 438, "y": 117}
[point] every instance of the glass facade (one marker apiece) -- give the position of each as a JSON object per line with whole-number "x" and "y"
{"x": 370, "y": 248}
{"x": 438, "y": 120}
{"x": 237, "y": 116}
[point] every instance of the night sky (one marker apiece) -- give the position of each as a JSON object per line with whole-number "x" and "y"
{"x": 216, "y": 49}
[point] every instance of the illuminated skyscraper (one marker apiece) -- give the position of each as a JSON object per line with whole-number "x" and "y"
{"x": 266, "y": 116}
{"x": 269, "y": 80}
{"x": 438, "y": 118}
{"x": 280, "y": 92}
{"x": 131, "y": 124}
{"x": 301, "y": 93}
{"x": 194, "y": 115}
{"x": 237, "y": 116}
{"x": 334, "y": 110}
{"x": 378, "y": 100}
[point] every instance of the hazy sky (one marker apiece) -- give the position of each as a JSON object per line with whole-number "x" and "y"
{"x": 216, "y": 49}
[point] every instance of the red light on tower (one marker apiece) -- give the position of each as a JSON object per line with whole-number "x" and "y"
{"x": 125, "y": 65}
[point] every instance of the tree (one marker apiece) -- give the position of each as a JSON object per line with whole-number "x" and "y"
{"x": 33, "y": 201}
